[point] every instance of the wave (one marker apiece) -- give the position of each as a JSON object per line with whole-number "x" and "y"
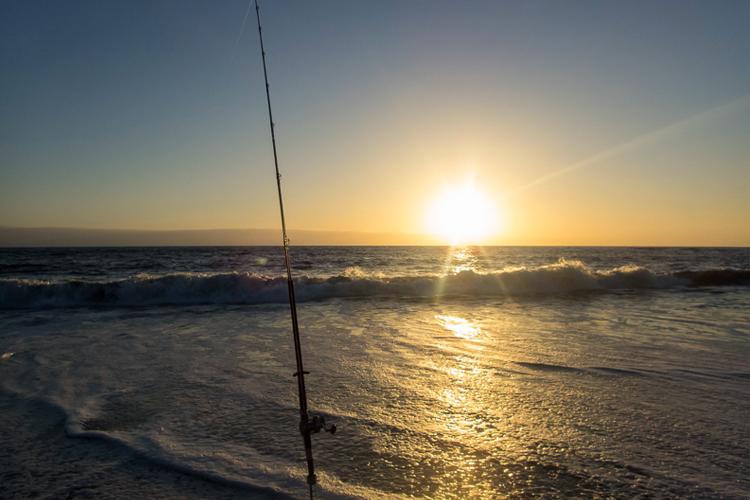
{"x": 210, "y": 469}
{"x": 248, "y": 288}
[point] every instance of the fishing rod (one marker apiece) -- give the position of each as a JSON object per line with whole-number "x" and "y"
{"x": 307, "y": 425}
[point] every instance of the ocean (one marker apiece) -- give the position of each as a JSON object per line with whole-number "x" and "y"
{"x": 473, "y": 372}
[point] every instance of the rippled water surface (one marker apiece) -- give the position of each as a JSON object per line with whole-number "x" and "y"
{"x": 506, "y": 373}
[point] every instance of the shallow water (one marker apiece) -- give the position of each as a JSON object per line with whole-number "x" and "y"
{"x": 520, "y": 377}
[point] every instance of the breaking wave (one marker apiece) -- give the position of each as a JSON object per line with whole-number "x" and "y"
{"x": 249, "y": 288}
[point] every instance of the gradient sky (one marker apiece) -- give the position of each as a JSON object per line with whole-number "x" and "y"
{"x": 587, "y": 122}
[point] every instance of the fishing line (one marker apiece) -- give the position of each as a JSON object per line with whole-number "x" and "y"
{"x": 307, "y": 425}
{"x": 247, "y": 14}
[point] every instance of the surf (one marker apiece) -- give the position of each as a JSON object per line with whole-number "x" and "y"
{"x": 247, "y": 288}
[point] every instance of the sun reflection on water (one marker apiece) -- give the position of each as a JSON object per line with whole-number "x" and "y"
{"x": 459, "y": 326}
{"x": 466, "y": 421}
{"x": 461, "y": 259}
{"x": 472, "y": 415}
{"x": 462, "y": 408}
{"x": 458, "y": 260}
{"x": 464, "y": 378}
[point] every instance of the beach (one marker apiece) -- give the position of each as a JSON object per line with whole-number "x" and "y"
{"x": 476, "y": 372}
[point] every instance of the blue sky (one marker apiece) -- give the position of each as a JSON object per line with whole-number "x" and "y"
{"x": 151, "y": 115}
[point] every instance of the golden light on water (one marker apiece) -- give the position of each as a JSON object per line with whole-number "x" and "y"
{"x": 459, "y": 259}
{"x": 462, "y": 259}
{"x": 464, "y": 215}
{"x": 459, "y": 326}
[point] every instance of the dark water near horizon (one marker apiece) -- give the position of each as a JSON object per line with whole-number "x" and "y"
{"x": 487, "y": 372}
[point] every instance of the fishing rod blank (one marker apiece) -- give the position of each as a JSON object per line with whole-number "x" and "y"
{"x": 307, "y": 425}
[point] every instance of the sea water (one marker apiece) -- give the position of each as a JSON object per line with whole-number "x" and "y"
{"x": 486, "y": 372}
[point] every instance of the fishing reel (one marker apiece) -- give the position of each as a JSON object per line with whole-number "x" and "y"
{"x": 315, "y": 425}
{"x": 312, "y": 426}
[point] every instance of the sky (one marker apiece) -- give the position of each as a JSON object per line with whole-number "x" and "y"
{"x": 568, "y": 123}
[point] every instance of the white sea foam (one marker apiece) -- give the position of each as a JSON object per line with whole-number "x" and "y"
{"x": 249, "y": 288}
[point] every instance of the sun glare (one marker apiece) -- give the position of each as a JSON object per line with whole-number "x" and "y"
{"x": 464, "y": 215}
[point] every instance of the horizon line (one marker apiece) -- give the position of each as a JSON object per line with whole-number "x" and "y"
{"x": 71, "y": 237}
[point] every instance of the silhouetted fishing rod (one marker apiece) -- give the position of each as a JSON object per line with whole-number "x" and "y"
{"x": 307, "y": 425}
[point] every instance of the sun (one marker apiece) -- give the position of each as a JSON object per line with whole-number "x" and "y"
{"x": 464, "y": 215}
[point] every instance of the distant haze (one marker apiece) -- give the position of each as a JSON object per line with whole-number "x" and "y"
{"x": 70, "y": 237}
{"x": 76, "y": 237}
